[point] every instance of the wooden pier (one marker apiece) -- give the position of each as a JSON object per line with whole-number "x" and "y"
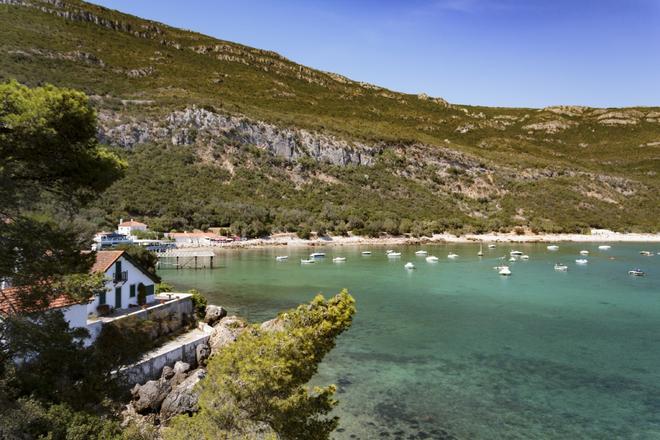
{"x": 185, "y": 259}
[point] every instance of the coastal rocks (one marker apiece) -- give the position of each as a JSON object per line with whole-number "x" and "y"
{"x": 202, "y": 353}
{"x": 273, "y": 325}
{"x": 214, "y": 314}
{"x": 150, "y": 396}
{"x": 225, "y": 332}
{"x": 182, "y": 399}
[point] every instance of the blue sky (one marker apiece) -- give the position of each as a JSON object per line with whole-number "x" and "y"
{"x": 490, "y": 52}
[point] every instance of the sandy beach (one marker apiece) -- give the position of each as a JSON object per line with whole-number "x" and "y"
{"x": 600, "y": 236}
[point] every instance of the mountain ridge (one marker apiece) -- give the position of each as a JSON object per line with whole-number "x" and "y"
{"x": 140, "y": 74}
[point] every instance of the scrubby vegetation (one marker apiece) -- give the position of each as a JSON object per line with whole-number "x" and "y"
{"x": 555, "y": 169}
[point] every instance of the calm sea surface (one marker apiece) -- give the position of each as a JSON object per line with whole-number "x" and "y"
{"x": 453, "y": 350}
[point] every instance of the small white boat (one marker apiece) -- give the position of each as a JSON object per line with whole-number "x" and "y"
{"x": 505, "y": 271}
{"x": 452, "y": 255}
{"x": 393, "y": 254}
{"x": 491, "y": 246}
{"x": 561, "y": 267}
{"x": 498, "y": 268}
{"x": 421, "y": 253}
{"x": 646, "y": 253}
{"x": 604, "y": 247}
{"x": 282, "y": 258}
{"x": 339, "y": 259}
{"x": 515, "y": 253}
{"x": 524, "y": 257}
{"x": 409, "y": 265}
{"x": 636, "y": 272}
{"x": 432, "y": 259}
{"x": 512, "y": 259}
{"x": 553, "y": 247}
{"x": 317, "y": 255}
{"x": 389, "y": 251}
{"x": 481, "y": 251}
{"x": 584, "y": 252}
{"x": 307, "y": 261}
{"x": 581, "y": 261}
{"x": 366, "y": 252}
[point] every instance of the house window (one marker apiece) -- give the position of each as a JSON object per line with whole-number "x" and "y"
{"x": 118, "y": 267}
{"x": 131, "y": 291}
{"x": 102, "y": 298}
{"x": 150, "y": 289}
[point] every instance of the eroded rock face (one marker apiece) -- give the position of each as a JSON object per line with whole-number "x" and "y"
{"x": 185, "y": 127}
{"x": 214, "y": 314}
{"x": 182, "y": 399}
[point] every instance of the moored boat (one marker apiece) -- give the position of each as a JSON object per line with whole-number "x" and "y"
{"x": 646, "y": 253}
{"x": 636, "y": 272}
{"x": 581, "y": 261}
{"x": 421, "y": 253}
{"x": 307, "y": 261}
{"x": 409, "y": 265}
{"x": 505, "y": 271}
{"x": 516, "y": 253}
{"x": 604, "y": 247}
{"x": 584, "y": 252}
{"x": 561, "y": 267}
{"x": 432, "y": 259}
{"x": 366, "y": 252}
{"x": 452, "y": 255}
{"x": 524, "y": 257}
{"x": 552, "y": 247}
{"x": 282, "y": 258}
{"x": 393, "y": 254}
{"x": 339, "y": 259}
{"x": 317, "y": 255}
{"x": 491, "y": 246}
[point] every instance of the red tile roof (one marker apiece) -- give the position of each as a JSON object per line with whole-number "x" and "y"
{"x": 131, "y": 222}
{"x": 10, "y": 301}
{"x": 105, "y": 259}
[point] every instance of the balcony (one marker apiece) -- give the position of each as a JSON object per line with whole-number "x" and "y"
{"x": 120, "y": 277}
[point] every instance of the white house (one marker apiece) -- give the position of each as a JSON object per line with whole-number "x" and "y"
{"x": 128, "y": 227}
{"x": 125, "y": 279}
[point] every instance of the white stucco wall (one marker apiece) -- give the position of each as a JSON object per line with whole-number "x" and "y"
{"x": 76, "y": 315}
{"x": 128, "y": 229}
{"x": 135, "y": 276}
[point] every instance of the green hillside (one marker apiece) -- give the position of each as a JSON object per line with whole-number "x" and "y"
{"x": 431, "y": 165}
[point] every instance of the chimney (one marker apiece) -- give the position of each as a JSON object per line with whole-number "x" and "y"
{"x": 121, "y": 220}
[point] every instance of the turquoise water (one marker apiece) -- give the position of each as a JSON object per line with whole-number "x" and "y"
{"x": 453, "y": 350}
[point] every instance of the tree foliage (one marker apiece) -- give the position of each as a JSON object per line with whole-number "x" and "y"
{"x": 257, "y": 384}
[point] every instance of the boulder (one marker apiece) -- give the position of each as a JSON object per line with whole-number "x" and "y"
{"x": 150, "y": 396}
{"x": 202, "y": 353}
{"x": 225, "y": 332}
{"x": 182, "y": 399}
{"x": 167, "y": 373}
{"x": 273, "y": 325}
{"x": 181, "y": 367}
{"x": 214, "y": 314}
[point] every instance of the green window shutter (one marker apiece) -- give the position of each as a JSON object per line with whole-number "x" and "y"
{"x": 102, "y": 298}
{"x": 131, "y": 291}
{"x": 150, "y": 290}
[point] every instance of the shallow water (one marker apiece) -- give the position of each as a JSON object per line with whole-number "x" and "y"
{"x": 453, "y": 350}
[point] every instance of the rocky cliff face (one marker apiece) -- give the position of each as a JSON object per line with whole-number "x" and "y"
{"x": 187, "y": 126}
